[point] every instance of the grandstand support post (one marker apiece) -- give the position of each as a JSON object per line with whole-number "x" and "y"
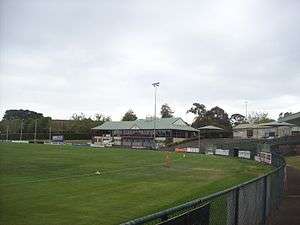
{"x": 155, "y": 85}
{"x": 35, "y": 126}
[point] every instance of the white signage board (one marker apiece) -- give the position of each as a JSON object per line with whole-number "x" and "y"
{"x": 194, "y": 150}
{"x": 222, "y": 152}
{"x": 257, "y": 158}
{"x": 264, "y": 157}
{"x": 97, "y": 145}
{"x": 20, "y": 142}
{"x": 209, "y": 153}
{"x": 58, "y": 138}
{"x": 245, "y": 154}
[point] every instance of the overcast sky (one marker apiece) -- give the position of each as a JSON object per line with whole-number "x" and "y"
{"x": 60, "y": 57}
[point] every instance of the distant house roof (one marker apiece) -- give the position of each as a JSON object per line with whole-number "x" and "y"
{"x": 261, "y": 125}
{"x": 248, "y": 126}
{"x": 147, "y": 124}
{"x": 276, "y": 124}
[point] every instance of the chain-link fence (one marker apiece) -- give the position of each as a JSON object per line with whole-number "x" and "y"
{"x": 250, "y": 203}
{"x": 44, "y": 136}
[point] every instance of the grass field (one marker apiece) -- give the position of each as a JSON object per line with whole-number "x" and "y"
{"x": 43, "y": 184}
{"x": 293, "y": 161}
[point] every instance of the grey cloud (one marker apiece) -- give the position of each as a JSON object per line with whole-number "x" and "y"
{"x": 67, "y": 56}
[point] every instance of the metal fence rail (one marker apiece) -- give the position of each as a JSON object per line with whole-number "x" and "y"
{"x": 249, "y": 203}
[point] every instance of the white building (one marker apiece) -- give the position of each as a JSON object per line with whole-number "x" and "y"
{"x": 264, "y": 130}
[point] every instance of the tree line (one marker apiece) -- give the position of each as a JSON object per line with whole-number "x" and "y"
{"x": 26, "y": 122}
{"x": 214, "y": 116}
{"x": 79, "y": 125}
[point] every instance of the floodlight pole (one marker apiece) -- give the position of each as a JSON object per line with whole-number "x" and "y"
{"x": 50, "y": 134}
{"x": 7, "y": 133}
{"x": 35, "y": 126}
{"x": 246, "y": 110}
{"x": 21, "y": 132}
{"x": 49, "y": 130}
{"x": 155, "y": 85}
{"x": 199, "y": 139}
{"x": 155, "y": 93}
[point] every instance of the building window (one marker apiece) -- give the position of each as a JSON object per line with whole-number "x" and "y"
{"x": 271, "y": 134}
{"x": 249, "y": 133}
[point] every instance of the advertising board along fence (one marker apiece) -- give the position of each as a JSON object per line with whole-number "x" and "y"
{"x": 187, "y": 149}
{"x": 192, "y": 150}
{"x": 223, "y": 152}
{"x": 244, "y": 154}
{"x": 19, "y": 142}
{"x": 249, "y": 203}
{"x": 264, "y": 157}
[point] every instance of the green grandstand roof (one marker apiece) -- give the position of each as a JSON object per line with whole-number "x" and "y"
{"x": 147, "y": 124}
{"x": 290, "y": 118}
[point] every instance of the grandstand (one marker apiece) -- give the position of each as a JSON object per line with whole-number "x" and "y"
{"x": 140, "y": 133}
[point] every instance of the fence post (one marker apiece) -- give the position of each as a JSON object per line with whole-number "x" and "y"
{"x": 265, "y": 199}
{"x": 164, "y": 218}
{"x": 236, "y": 213}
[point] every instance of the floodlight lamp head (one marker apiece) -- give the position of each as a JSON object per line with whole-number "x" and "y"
{"x": 156, "y": 84}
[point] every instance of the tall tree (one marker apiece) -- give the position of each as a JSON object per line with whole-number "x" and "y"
{"x": 259, "y": 117}
{"x": 77, "y": 117}
{"x": 129, "y": 116}
{"x": 198, "y": 109}
{"x": 237, "y": 119}
{"x": 21, "y": 114}
{"x": 166, "y": 111}
{"x": 101, "y": 118}
{"x": 215, "y": 116}
{"x": 219, "y": 117}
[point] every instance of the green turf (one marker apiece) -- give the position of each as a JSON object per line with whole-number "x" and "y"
{"x": 293, "y": 161}
{"x": 44, "y": 184}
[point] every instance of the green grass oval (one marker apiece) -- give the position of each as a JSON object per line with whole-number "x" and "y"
{"x": 45, "y": 184}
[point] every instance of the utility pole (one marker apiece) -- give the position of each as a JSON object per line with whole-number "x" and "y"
{"x": 35, "y": 126}
{"x": 155, "y": 85}
{"x": 21, "y": 133}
